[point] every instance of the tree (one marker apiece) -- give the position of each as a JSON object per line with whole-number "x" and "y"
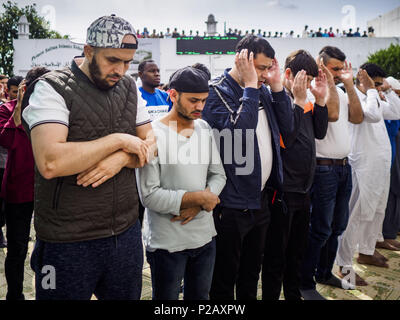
{"x": 388, "y": 59}
{"x": 39, "y": 29}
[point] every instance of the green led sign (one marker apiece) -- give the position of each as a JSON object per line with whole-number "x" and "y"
{"x": 206, "y": 45}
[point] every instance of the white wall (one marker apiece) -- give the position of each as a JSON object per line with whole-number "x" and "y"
{"x": 50, "y": 53}
{"x": 387, "y": 25}
{"x": 164, "y": 52}
{"x": 357, "y": 51}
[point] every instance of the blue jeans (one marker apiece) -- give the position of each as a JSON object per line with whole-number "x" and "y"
{"x": 111, "y": 268}
{"x": 330, "y": 197}
{"x": 194, "y": 266}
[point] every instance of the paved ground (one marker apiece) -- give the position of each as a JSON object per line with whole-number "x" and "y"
{"x": 384, "y": 283}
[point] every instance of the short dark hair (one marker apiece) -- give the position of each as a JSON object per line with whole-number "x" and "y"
{"x": 330, "y": 52}
{"x": 2, "y": 76}
{"x": 14, "y": 81}
{"x": 35, "y": 73}
{"x": 301, "y": 60}
{"x": 256, "y": 45}
{"x": 203, "y": 68}
{"x": 142, "y": 65}
{"x": 373, "y": 70}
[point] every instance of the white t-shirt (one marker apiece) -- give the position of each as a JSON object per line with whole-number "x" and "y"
{"x": 46, "y": 105}
{"x": 337, "y": 142}
{"x": 263, "y": 133}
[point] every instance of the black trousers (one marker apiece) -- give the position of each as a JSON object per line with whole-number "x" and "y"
{"x": 286, "y": 241}
{"x": 391, "y": 224}
{"x": 18, "y": 223}
{"x": 240, "y": 244}
{"x": 141, "y": 213}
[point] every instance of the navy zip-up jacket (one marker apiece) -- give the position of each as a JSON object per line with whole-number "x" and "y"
{"x": 241, "y": 112}
{"x": 298, "y": 153}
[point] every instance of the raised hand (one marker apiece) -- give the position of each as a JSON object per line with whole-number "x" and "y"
{"x": 365, "y": 80}
{"x": 328, "y": 74}
{"x": 18, "y": 106}
{"x": 385, "y": 86}
{"x": 246, "y": 71}
{"x": 382, "y": 96}
{"x": 21, "y": 91}
{"x": 299, "y": 88}
{"x": 347, "y": 75}
{"x": 320, "y": 89}
{"x": 274, "y": 79}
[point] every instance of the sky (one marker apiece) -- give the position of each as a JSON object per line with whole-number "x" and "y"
{"x": 73, "y": 17}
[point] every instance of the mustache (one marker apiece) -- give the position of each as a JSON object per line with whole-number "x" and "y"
{"x": 114, "y": 75}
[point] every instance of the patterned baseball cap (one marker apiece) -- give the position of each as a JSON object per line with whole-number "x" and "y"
{"x": 108, "y": 32}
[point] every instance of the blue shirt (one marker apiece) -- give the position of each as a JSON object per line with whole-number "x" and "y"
{"x": 393, "y": 127}
{"x": 157, "y": 99}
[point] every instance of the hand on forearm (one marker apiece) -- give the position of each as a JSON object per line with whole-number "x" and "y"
{"x": 187, "y": 215}
{"x": 192, "y": 199}
{"x": 210, "y": 200}
{"x": 55, "y": 157}
{"x": 204, "y": 199}
{"x": 104, "y": 170}
{"x": 135, "y": 145}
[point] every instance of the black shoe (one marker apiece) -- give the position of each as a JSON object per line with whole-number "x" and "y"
{"x": 311, "y": 294}
{"x": 337, "y": 283}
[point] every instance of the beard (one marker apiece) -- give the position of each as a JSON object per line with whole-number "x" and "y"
{"x": 95, "y": 74}
{"x": 337, "y": 80}
{"x": 181, "y": 111}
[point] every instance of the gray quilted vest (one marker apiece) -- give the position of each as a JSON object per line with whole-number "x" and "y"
{"x": 64, "y": 211}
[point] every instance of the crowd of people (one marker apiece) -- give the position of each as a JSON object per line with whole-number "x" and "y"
{"x": 218, "y": 179}
{"x": 317, "y": 33}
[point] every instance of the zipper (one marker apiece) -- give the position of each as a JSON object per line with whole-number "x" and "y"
{"x": 57, "y": 193}
{"x": 113, "y": 179}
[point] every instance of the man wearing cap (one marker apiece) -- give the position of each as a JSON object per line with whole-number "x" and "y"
{"x": 180, "y": 189}
{"x": 249, "y": 119}
{"x": 87, "y": 126}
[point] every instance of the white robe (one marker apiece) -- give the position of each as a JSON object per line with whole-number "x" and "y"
{"x": 370, "y": 159}
{"x": 370, "y": 155}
